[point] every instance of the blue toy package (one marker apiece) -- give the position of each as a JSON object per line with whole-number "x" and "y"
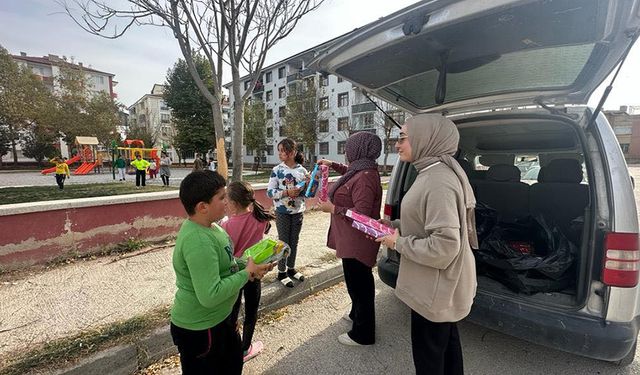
{"x": 314, "y": 183}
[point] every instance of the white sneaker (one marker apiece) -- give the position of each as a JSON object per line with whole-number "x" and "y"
{"x": 344, "y": 339}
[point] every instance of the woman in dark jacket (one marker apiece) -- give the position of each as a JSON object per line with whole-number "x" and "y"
{"x": 358, "y": 189}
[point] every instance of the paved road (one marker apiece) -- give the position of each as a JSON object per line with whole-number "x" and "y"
{"x": 303, "y": 340}
{"x": 11, "y": 179}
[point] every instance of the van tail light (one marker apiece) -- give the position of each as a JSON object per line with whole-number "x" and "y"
{"x": 621, "y": 260}
{"x": 388, "y": 211}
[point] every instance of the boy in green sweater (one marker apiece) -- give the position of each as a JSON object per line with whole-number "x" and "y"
{"x": 208, "y": 279}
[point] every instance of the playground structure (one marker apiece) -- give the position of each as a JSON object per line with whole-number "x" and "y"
{"x": 87, "y": 154}
{"x": 135, "y": 147}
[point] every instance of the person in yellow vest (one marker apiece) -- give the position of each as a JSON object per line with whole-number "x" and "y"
{"x": 62, "y": 171}
{"x": 141, "y": 167}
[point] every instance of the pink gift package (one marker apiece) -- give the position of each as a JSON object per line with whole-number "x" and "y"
{"x": 369, "y": 225}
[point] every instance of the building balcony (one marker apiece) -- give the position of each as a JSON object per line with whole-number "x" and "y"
{"x": 364, "y": 107}
{"x": 300, "y": 75}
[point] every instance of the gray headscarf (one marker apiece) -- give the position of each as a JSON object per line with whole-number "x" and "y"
{"x": 434, "y": 138}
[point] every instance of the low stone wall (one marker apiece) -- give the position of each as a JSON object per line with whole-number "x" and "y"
{"x": 39, "y": 232}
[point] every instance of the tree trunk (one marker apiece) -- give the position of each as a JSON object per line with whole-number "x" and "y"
{"x": 384, "y": 168}
{"x": 238, "y": 127}
{"x": 13, "y": 145}
{"x": 218, "y": 126}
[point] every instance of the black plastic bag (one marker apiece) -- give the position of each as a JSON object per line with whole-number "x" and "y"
{"x": 542, "y": 267}
{"x": 486, "y": 219}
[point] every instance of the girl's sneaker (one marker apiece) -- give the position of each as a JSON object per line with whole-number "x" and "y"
{"x": 285, "y": 280}
{"x": 295, "y": 274}
{"x": 255, "y": 349}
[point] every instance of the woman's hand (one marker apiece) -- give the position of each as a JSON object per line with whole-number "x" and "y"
{"x": 385, "y": 222}
{"x": 324, "y": 162}
{"x": 326, "y": 206}
{"x": 390, "y": 240}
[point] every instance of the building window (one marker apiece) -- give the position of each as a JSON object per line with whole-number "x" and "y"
{"x": 367, "y": 120}
{"x": 324, "y": 81}
{"x": 247, "y": 84}
{"x": 249, "y": 152}
{"x": 269, "y": 132}
{"x": 282, "y": 112}
{"x": 343, "y": 99}
{"x": 324, "y": 103}
{"x": 164, "y": 117}
{"x": 324, "y": 148}
{"x": 269, "y": 114}
{"x": 343, "y": 124}
{"x": 269, "y": 95}
{"x": 341, "y": 147}
{"x": 323, "y": 126}
{"x": 281, "y": 72}
{"x": 270, "y": 150}
{"x": 163, "y": 106}
{"x": 340, "y": 79}
{"x": 282, "y": 92}
{"x": 267, "y": 77}
{"x": 624, "y": 147}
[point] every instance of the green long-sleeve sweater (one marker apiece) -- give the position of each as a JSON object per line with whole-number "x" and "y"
{"x": 207, "y": 277}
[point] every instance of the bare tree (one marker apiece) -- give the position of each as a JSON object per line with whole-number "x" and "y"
{"x": 235, "y": 33}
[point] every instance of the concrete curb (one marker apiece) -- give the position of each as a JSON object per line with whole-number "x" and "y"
{"x": 126, "y": 359}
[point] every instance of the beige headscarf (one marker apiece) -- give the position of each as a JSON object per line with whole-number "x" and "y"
{"x": 433, "y": 139}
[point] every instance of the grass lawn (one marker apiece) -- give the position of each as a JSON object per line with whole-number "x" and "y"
{"x": 48, "y": 193}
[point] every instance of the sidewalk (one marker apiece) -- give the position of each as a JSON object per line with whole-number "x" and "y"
{"x": 78, "y": 297}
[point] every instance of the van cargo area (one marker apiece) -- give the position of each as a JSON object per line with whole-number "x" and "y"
{"x": 530, "y": 178}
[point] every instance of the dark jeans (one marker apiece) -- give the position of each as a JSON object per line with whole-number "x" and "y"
{"x": 60, "y": 180}
{"x": 436, "y": 347}
{"x": 289, "y": 227}
{"x": 359, "y": 280}
{"x": 212, "y": 351}
{"x": 165, "y": 179}
{"x": 141, "y": 176}
{"x": 251, "y": 291}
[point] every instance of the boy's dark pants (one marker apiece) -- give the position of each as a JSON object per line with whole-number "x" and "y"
{"x": 216, "y": 350}
{"x": 251, "y": 291}
{"x": 359, "y": 280}
{"x": 60, "y": 181}
{"x": 436, "y": 347}
{"x": 141, "y": 175}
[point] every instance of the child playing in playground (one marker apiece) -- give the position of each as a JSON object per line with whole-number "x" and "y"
{"x": 121, "y": 165}
{"x": 141, "y": 167}
{"x": 208, "y": 280}
{"x": 62, "y": 171}
{"x": 153, "y": 169}
{"x": 246, "y": 224}
{"x": 285, "y": 188}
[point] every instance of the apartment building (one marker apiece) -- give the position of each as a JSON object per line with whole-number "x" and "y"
{"x": 626, "y": 125}
{"x": 47, "y": 68}
{"x": 151, "y": 112}
{"x": 343, "y": 109}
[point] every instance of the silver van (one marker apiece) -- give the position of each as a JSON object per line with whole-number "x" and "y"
{"x": 515, "y": 77}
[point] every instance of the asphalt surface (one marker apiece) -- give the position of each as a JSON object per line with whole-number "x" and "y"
{"x": 303, "y": 340}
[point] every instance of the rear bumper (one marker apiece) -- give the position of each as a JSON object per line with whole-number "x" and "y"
{"x": 570, "y": 332}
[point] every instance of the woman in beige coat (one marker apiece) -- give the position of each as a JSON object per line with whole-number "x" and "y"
{"x": 437, "y": 277}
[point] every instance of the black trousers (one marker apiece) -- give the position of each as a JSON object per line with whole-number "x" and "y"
{"x": 165, "y": 179}
{"x": 436, "y": 347}
{"x": 212, "y": 351}
{"x": 251, "y": 291}
{"x": 289, "y": 227}
{"x": 141, "y": 175}
{"x": 359, "y": 280}
{"x": 60, "y": 180}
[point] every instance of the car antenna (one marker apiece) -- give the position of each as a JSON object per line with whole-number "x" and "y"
{"x": 382, "y": 110}
{"x": 607, "y": 90}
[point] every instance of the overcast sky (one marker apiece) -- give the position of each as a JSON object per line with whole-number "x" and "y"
{"x": 142, "y": 56}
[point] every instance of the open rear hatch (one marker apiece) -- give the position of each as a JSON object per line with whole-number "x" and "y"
{"x": 456, "y": 56}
